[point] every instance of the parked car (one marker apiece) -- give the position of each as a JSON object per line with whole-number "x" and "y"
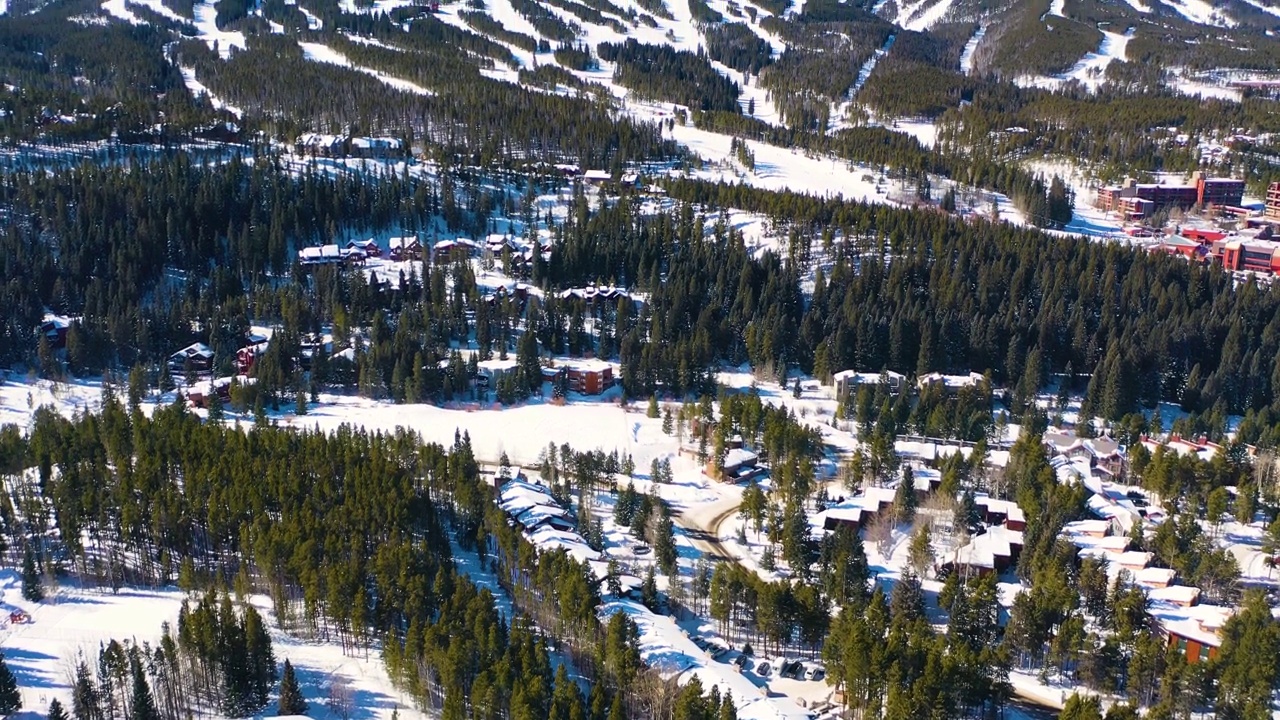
{"x": 743, "y": 662}
{"x": 816, "y": 674}
{"x": 762, "y": 669}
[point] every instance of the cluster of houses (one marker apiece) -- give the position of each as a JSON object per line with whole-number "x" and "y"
{"x": 348, "y": 146}
{"x": 548, "y": 525}
{"x": 1192, "y": 627}
{"x": 1134, "y": 202}
{"x": 400, "y": 249}
{"x": 585, "y": 377}
{"x": 1247, "y": 242}
{"x": 197, "y": 359}
{"x": 847, "y": 382}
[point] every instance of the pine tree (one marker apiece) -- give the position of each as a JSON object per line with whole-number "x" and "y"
{"x": 652, "y": 411}
{"x": 261, "y": 659}
{"x": 10, "y": 698}
{"x": 920, "y": 552}
{"x": 143, "y": 705}
{"x": 31, "y": 588}
{"x": 215, "y": 407}
{"x": 291, "y": 700}
{"x": 904, "y": 499}
{"x": 56, "y": 712}
{"x": 84, "y": 696}
{"x": 664, "y": 545}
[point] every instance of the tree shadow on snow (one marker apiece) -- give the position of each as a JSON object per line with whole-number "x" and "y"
{"x": 362, "y": 702}
{"x": 26, "y": 667}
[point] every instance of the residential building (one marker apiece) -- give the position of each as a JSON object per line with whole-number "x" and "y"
{"x": 447, "y": 250}
{"x": 995, "y": 550}
{"x": 329, "y": 255}
{"x": 1193, "y": 631}
{"x": 319, "y": 145}
{"x": 1272, "y": 208}
{"x": 196, "y": 357}
{"x": 589, "y": 377}
{"x": 404, "y": 248}
{"x": 376, "y": 147}
{"x": 1184, "y": 246}
{"x": 951, "y": 384}
{"x": 847, "y": 382}
{"x": 491, "y": 372}
{"x": 368, "y": 247}
{"x": 54, "y": 329}
{"x": 1001, "y": 512}
{"x": 1124, "y": 199}
{"x": 1217, "y": 191}
{"x": 248, "y": 355}
{"x": 1249, "y": 250}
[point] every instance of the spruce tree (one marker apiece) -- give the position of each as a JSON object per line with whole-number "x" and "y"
{"x": 291, "y": 700}
{"x": 10, "y": 698}
{"x": 31, "y": 589}
{"x": 56, "y": 712}
{"x": 84, "y": 696}
{"x": 142, "y": 704}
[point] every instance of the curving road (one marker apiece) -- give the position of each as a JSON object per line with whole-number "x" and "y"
{"x": 701, "y": 523}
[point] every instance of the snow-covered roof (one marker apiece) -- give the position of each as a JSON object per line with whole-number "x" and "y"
{"x": 381, "y": 143}
{"x": 548, "y": 539}
{"x": 982, "y": 550}
{"x": 194, "y": 350}
{"x": 954, "y": 382}
{"x": 489, "y": 367}
{"x": 855, "y": 509}
{"x": 597, "y": 175}
{"x": 58, "y": 321}
{"x": 738, "y": 457}
{"x": 516, "y": 495}
{"x": 327, "y": 253}
{"x": 587, "y": 365}
{"x": 1180, "y": 595}
{"x": 1087, "y": 527}
{"x": 1008, "y": 508}
{"x": 1201, "y": 623}
{"x": 1134, "y": 559}
{"x": 319, "y": 140}
{"x": 866, "y": 378}
{"x": 402, "y": 243}
{"x": 1154, "y": 577}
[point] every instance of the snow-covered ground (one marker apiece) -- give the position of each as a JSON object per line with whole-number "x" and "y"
{"x": 1197, "y": 87}
{"x": 71, "y": 621}
{"x": 120, "y": 9}
{"x": 206, "y": 22}
{"x": 1200, "y": 11}
{"x": 160, "y": 9}
{"x": 318, "y": 52}
{"x": 1091, "y": 69}
{"x": 966, "y": 55}
{"x": 1264, "y": 7}
{"x": 198, "y": 89}
{"x": 1086, "y": 220}
{"x": 21, "y": 397}
{"x": 920, "y": 18}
